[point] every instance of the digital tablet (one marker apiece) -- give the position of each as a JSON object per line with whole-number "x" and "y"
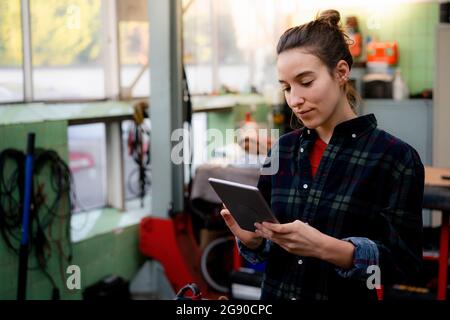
{"x": 245, "y": 203}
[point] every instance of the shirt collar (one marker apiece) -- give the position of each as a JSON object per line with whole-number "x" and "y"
{"x": 351, "y": 128}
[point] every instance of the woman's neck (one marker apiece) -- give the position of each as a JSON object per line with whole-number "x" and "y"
{"x": 343, "y": 112}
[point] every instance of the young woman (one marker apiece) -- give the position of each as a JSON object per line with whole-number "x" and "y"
{"x": 348, "y": 195}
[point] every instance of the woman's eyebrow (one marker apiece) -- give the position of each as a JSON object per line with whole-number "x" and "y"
{"x": 300, "y": 75}
{"x": 303, "y": 74}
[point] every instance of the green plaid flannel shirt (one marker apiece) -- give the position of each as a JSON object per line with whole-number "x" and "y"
{"x": 368, "y": 190}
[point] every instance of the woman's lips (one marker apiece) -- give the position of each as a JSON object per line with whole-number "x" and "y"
{"x": 304, "y": 112}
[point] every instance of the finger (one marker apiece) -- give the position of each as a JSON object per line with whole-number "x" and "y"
{"x": 279, "y": 242}
{"x": 230, "y": 222}
{"x": 263, "y": 235}
{"x": 285, "y": 228}
{"x": 258, "y": 226}
{"x": 283, "y": 245}
{"x": 279, "y": 239}
{"x": 283, "y": 240}
{"x": 277, "y": 228}
{"x": 266, "y": 233}
{"x": 273, "y": 235}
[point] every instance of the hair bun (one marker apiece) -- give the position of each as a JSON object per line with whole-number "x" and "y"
{"x": 331, "y": 17}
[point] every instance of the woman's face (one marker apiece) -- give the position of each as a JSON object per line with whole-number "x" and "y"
{"x": 310, "y": 91}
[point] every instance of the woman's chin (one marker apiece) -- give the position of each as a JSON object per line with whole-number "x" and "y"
{"x": 311, "y": 123}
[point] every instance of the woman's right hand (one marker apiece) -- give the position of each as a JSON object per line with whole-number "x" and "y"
{"x": 250, "y": 239}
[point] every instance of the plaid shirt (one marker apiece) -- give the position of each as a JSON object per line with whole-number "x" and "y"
{"x": 368, "y": 190}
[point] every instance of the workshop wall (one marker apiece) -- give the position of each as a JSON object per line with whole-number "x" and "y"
{"x": 413, "y": 27}
{"x": 110, "y": 253}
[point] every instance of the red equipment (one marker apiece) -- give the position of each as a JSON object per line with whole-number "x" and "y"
{"x": 179, "y": 253}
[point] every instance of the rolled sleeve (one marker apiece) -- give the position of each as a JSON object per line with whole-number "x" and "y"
{"x": 254, "y": 256}
{"x": 366, "y": 254}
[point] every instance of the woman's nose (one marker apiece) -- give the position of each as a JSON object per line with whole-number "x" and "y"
{"x": 296, "y": 99}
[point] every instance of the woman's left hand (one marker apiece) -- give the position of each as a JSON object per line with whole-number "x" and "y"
{"x": 297, "y": 237}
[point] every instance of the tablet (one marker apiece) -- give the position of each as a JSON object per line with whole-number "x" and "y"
{"x": 245, "y": 203}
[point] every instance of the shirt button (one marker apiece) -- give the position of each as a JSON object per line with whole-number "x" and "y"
{"x": 300, "y": 261}
{"x": 353, "y": 135}
{"x": 293, "y": 298}
{"x": 301, "y": 149}
{"x": 305, "y": 186}
{"x": 308, "y": 131}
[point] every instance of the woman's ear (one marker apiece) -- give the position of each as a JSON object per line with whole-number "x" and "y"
{"x": 342, "y": 72}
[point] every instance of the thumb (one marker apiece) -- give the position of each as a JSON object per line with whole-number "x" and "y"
{"x": 227, "y": 217}
{"x": 229, "y": 220}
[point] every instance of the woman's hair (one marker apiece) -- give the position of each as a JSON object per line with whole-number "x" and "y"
{"x": 324, "y": 38}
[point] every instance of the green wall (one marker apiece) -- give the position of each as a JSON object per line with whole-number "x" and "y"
{"x": 413, "y": 27}
{"x": 110, "y": 253}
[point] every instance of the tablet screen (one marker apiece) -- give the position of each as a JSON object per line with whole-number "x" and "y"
{"x": 245, "y": 203}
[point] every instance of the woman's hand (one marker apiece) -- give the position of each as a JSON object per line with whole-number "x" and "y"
{"x": 250, "y": 239}
{"x": 296, "y": 237}
{"x": 301, "y": 239}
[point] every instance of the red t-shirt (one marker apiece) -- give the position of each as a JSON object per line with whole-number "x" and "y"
{"x": 316, "y": 154}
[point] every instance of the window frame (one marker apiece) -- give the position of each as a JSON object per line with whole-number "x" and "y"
{"x": 110, "y": 56}
{"x": 115, "y": 179}
{"x": 111, "y": 66}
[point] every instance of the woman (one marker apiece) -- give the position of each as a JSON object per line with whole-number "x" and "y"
{"x": 348, "y": 195}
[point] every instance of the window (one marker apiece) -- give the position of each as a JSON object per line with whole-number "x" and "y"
{"x": 197, "y": 45}
{"x": 87, "y": 162}
{"x": 232, "y": 57}
{"x": 134, "y": 47}
{"x": 223, "y": 39}
{"x": 247, "y": 35}
{"x": 66, "y": 49}
{"x": 72, "y": 42}
{"x": 11, "y": 60}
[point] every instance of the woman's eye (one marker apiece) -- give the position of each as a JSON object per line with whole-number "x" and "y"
{"x": 286, "y": 89}
{"x": 307, "y": 84}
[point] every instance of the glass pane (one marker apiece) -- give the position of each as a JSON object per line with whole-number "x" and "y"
{"x": 87, "y": 161}
{"x": 134, "y": 47}
{"x": 11, "y": 73}
{"x": 197, "y": 43}
{"x": 66, "y": 48}
{"x": 229, "y": 46}
{"x": 247, "y": 37}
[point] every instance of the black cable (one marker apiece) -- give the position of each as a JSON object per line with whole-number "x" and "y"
{"x": 11, "y": 196}
{"x": 61, "y": 182}
{"x": 43, "y": 212}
